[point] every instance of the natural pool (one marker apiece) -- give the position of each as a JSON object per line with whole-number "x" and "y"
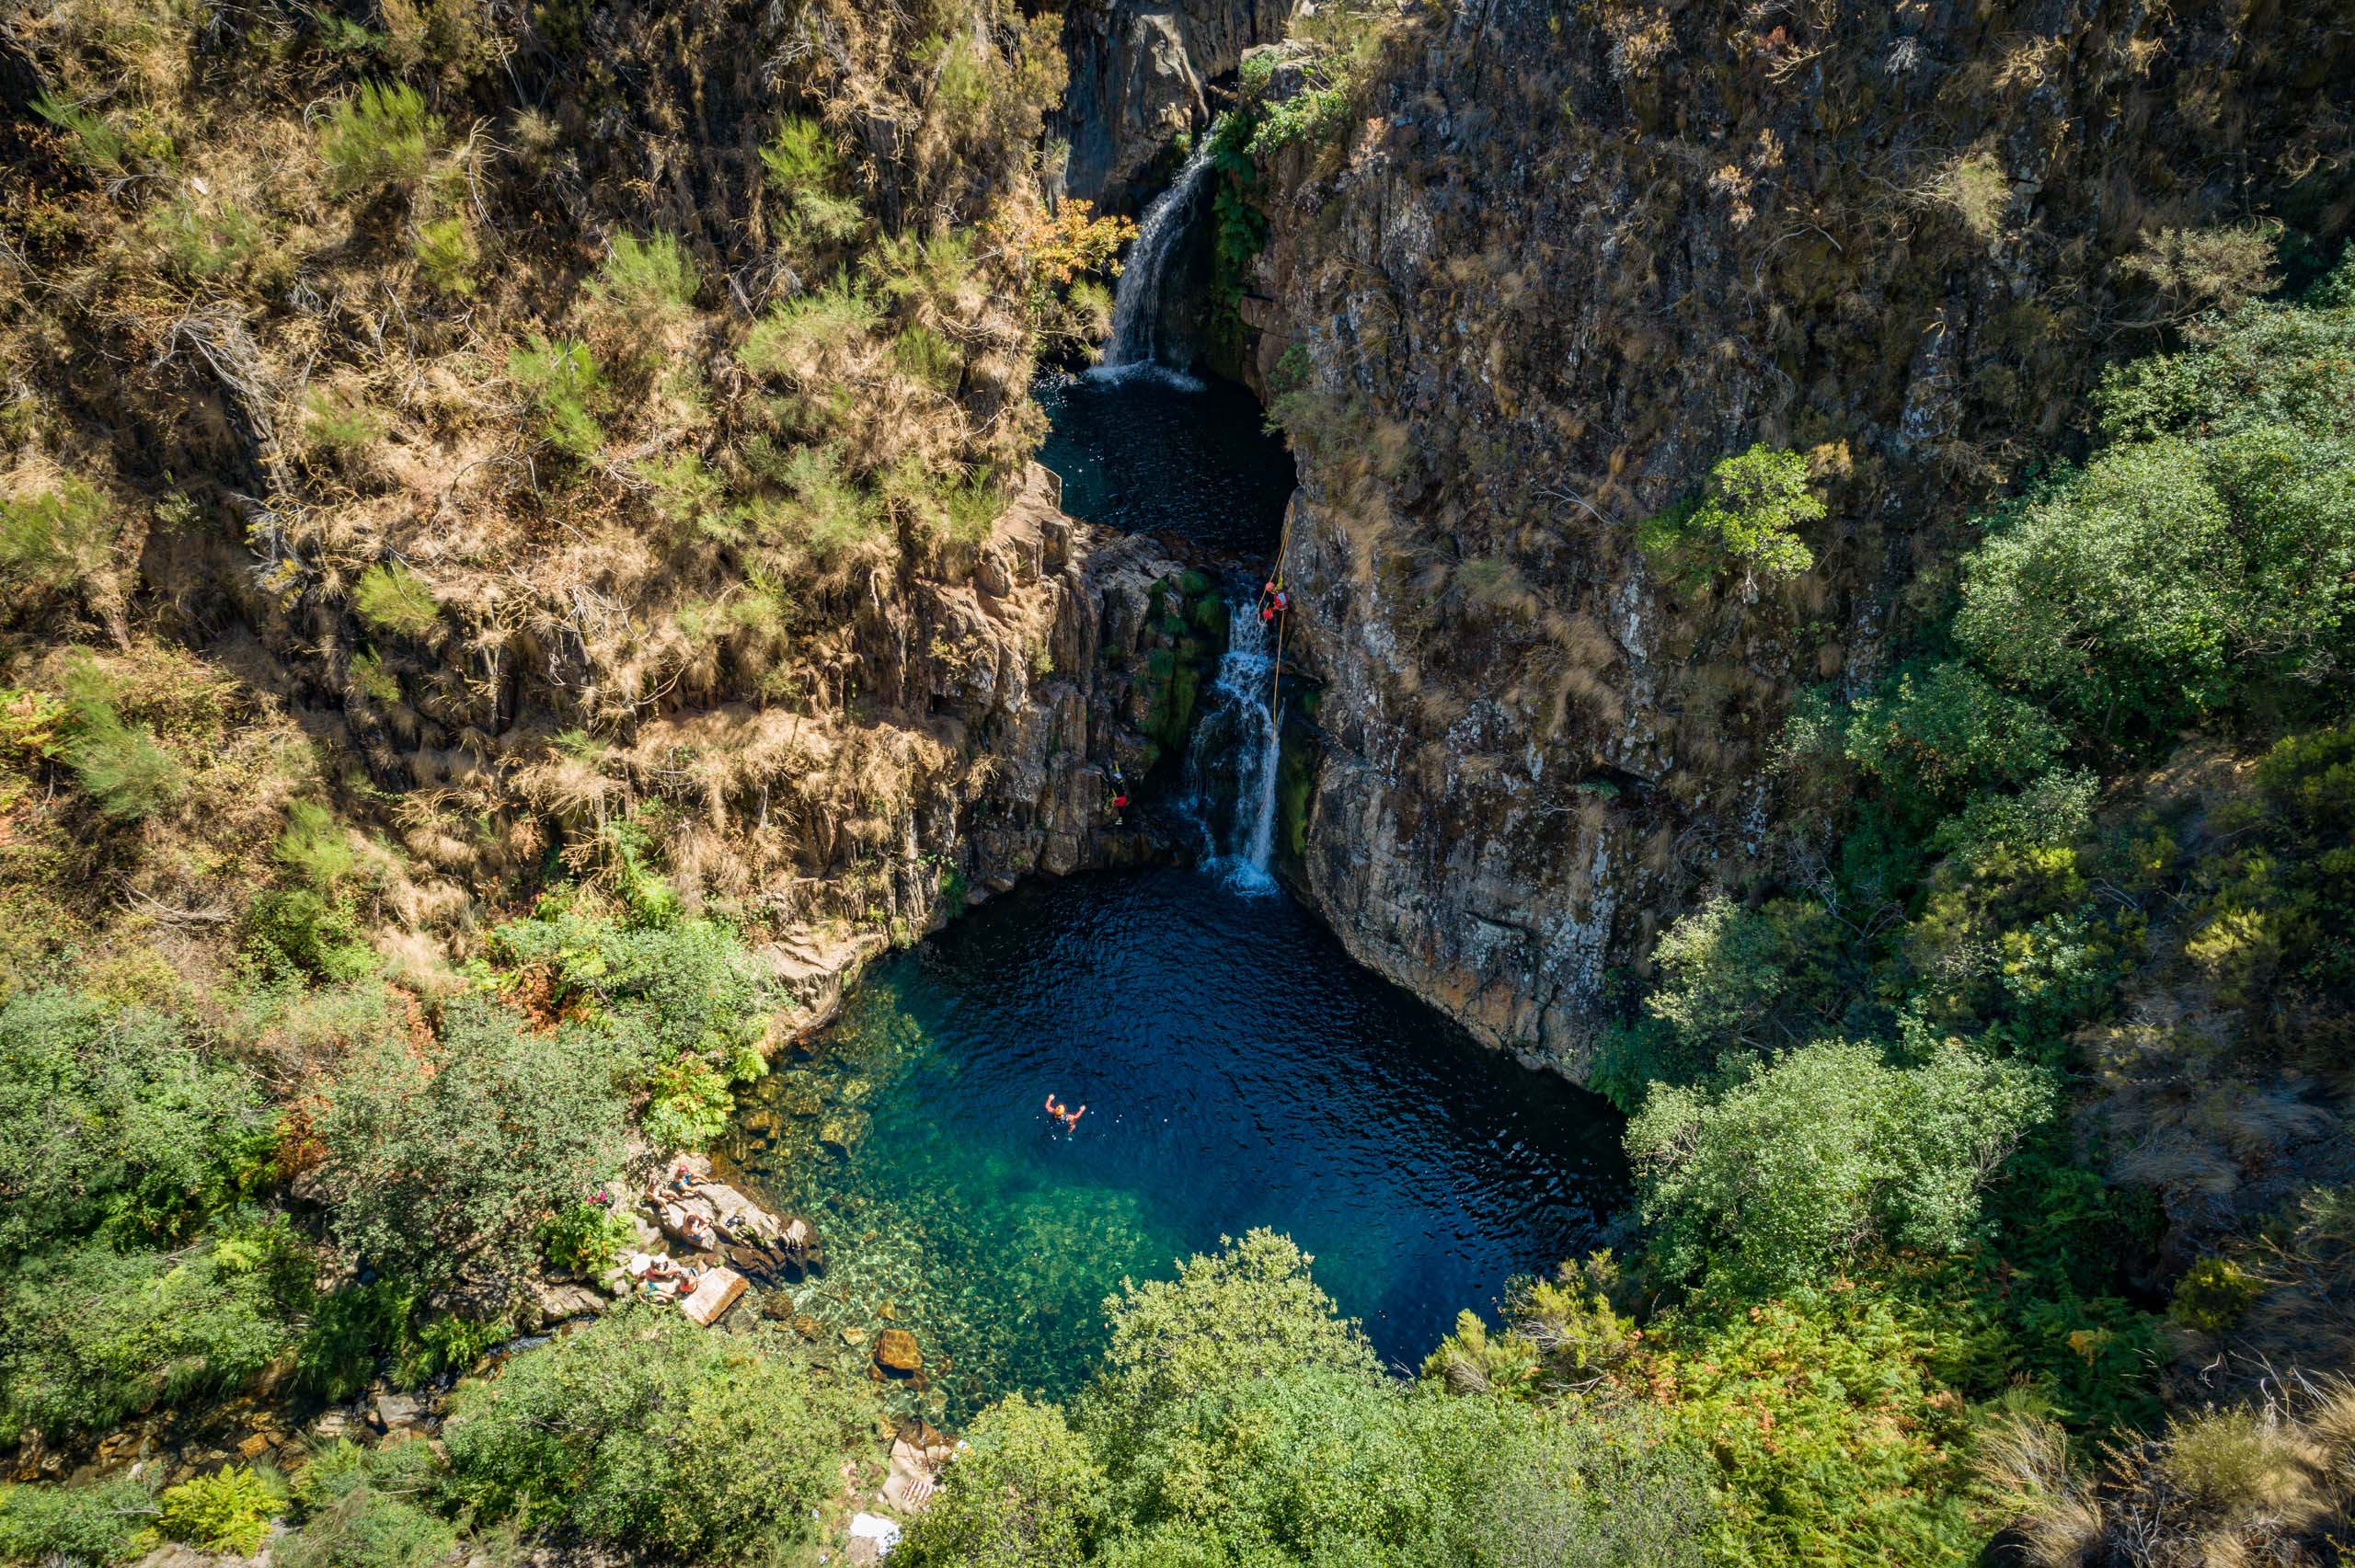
{"x": 1149, "y": 450}
{"x": 1238, "y": 1069}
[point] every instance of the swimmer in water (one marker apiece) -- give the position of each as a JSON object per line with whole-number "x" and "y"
{"x": 1064, "y": 1114}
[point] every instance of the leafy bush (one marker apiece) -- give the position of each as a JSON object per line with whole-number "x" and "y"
{"x": 51, "y": 539}
{"x": 585, "y": 1238}
{"x": 202, "y": 242}
{"x": 1029, "y": 1491}
{"x": 1787, "y": 1171}
{"x": 691, "y": 1105}
{"x": 2213, "y": 1295}
{"x": 806, "y": 171}
{"x": 449, "y": 1164}
{"x": 1247, "y": 1311}
{"x": 88, "y": 1526}
{"x": 367, "y": 1528}
{"x": 447, "y": 253}
{"x": 228, "y": 1511}
{"x": 562, "y": 379}
{"x": 2206, "y": 560}
{"x": 380, "y": 136}
{"x": 298, "y": 931}
{"x": 1934, "y": 735}
{"x": 1749, "y": 514}
{"x": 653, "y": 274}
{"x": 89, "y": 1336}
{"x": 654, "y": 1435}
{"x": 110, "y": 1120}
{"x": 393, "y": 599}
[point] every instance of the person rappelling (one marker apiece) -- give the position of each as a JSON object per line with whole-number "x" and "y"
{"x": 1274, "y": 599}
{"x": 1119, "y": 793}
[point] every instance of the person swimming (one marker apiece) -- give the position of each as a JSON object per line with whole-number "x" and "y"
{"x": 1064, "y": 1114}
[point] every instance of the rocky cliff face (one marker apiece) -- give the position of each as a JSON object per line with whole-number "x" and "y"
{"x": 1140, "y": 77}
{"x": 1550, "y": 268}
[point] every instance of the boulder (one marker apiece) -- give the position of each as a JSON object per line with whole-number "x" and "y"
{"x": 872, "y": 1537}
{"x": 896, "y": 1353}
{"x": 394, "y": 1410}
{"x": 714, "y": 1294}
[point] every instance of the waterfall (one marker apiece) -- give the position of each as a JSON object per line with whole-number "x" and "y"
{"x": 1136, "y": 301}
{"x": 1236, "y": 748}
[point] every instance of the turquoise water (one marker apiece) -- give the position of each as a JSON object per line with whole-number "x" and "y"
{"x": 1238, "y": 1070}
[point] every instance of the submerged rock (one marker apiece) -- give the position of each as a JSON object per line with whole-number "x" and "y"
{"x": 896, "y": 1352}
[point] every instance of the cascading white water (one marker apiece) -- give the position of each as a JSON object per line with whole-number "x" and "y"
{"x": 1242, "y": 736}
{"x": 1136, "y": 299}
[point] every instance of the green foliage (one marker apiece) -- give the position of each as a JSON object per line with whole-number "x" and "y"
{"x": 789, "y": 340}
{"x": 364, "y": 1527}
{"x": 204, "y": 241}
{"x": 339, "y": 425}
{"x": 585, "y": 1238}
{"x": 1748, "y": 514}
{"x": 1933, "y": 736}
{"x": 122, "y": 767}
{"x": 445, "y": 1164}
{"x": 111, "y": 1120}
{"x": 1245, "y": 1312}
{"x": 565, "y": 388}
{"x": 447, "y": 253}
{"x": 1785, "y": 1173}
{"x": 52, "y": 540}
{"x": 381, "y": 136}
{"x": 651, "y": 274}
{"x": 2213, "y": 1295}
{"x": 806, "y": 171}
{"x": 1029, "y": 1493}
{"x": 647, "y": 1432}
{"x": 94, "y": 144}
{"x": 228, "y": 1511}
{"x": 86, "y": 1526}
{"x": 691, "y": 1105}
{"x": 1317, "y": 115}
{"x": 89, "y": 1336}
{"x": 2206, "y": 558}
{"x": 300, "y": 931}
{"x": 393, "y": 599}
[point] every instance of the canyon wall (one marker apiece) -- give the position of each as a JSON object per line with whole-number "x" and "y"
{"x": 1141, "y": 75}
{"x": 1544, "y": 267}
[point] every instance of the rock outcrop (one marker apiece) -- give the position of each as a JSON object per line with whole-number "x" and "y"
{"x": 1551, "y": 269}
{"x": 1140, "y": 74}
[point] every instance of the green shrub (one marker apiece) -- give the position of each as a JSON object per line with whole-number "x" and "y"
{"x": 647, "y": 1432}
{"x": 204, "y": 242}
{"x": 316, "y": 847}
{"x": 52, "y": 540}
{"x": 1029, "y": 1491}
{"x": 805, "y": 171}
{"x": 110, "y": 1118}
{"x": 451, "y": 1163}
{"x": 1229, "y": 1317}
{"x": 585, "y": 1238}
{"x": 228, "y": 1511}
{"x": 93, "y": 141}
{"x": 380, "y": 136}
{"x": 690, "y": 1107}
{"x": 391, "y": 598}
{"x": 1748, "y": 514}
{"x": 1786, "y": 1172}
{"x": 368, "y": 1529}
{"x": 562, "y": 379}
{"x": 1934, "y": 735}
{"x": 653, "y": 273}
{"x": 2213, "y": 1294}
{"x": 790, "y": 338}
{"x": 90, "y": 1336}
{"x": 89, "y": 1527}
{"x": 339, "y": 425}
{"x": 447, "y": 252}
{"x": 298, "y": 931}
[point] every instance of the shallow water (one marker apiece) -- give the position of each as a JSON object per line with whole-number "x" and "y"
{"x": 1238, "y": 1070}
{"x": 1148, "y": 451}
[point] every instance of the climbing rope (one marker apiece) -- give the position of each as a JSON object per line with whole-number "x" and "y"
{"x": 1282, "y": 596}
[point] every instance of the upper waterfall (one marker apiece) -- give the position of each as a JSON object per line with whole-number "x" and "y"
{"x": 1137, "y": 299}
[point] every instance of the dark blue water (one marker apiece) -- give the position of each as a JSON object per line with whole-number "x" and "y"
{"x": 1238, "y": 1070}
{"x": 1147, "y": 451}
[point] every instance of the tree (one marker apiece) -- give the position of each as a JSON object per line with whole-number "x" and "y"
{"x": 446, "y": 1161}
{"x": 1245, "y": 1312}
{"x": 1029, "y": 1493}
{"x": 1749, "y": 513}
{"x": 1788, "y": 1172}
{"x": 647, "y": 1432}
